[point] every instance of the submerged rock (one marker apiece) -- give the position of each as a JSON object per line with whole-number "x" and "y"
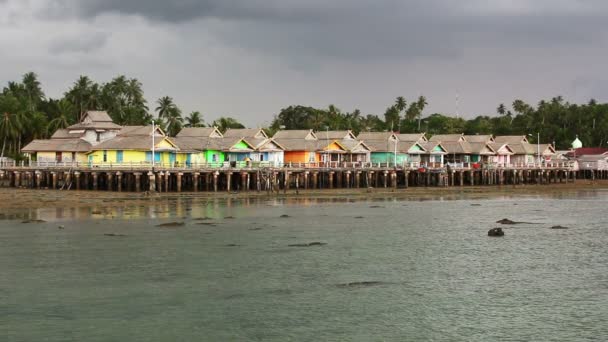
{"x": 360, "y": 284}
{"x": 475, "y": 205}
{"x": 559, "y": 227}
{"x": 231, "y": 245}
{"x": 228, "y": 217}
{"x": 284, "y": 216}
{"x": 496, "y": 232}
{"x": 507, "y": 221}
{"x": 359, "y": 217}
{"x": 33, "y": 221}
{"x": 171, "y": 224}
{"x": 376, "y": 206}
{"x": 310, "y": 244}
{"x": 116, "y": 235}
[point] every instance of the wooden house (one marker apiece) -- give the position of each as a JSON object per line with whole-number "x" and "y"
{"x": 503, "y": 153}
{"x": 133, "y": 144}
{"x": 464, "y": 154}
{"x": 435, "y": 154}
{"x": 384, "y": 147}
{"x": 593, "y": 162}
{"x": 266, "y": 150}
{"x": 354, "y": 149}
{"x": 72, "y": 143}
{"x": 300, "y": 146}
{"x": 203, "y": 144}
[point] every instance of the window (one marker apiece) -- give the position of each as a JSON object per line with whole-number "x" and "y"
{"x": 73, "y": 156}
{"x": 58, "y": 157}
{"x": 214, "y": 158}
{"x": 98, "y": 136}
{"x": 311, "y": 157}
{"x": 105, "y": 155}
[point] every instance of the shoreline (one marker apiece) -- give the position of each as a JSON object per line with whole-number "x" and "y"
{"x": 14, "y": 199}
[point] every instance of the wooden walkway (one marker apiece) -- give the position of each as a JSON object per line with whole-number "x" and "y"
{"x": 275, "y": 179}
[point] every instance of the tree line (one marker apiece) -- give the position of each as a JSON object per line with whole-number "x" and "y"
{"x": 26, "y": 113}
{"x": 556, "y": 121}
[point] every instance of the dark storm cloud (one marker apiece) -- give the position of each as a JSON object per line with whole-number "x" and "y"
{"x": 367, "y": 30}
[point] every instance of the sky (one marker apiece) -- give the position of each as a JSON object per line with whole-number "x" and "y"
{"x": 250, "y": 58}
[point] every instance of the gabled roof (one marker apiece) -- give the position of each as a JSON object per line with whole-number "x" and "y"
{"x": 65, "y": 134}
{"x": 481, "y": 148}
{"x": 95, "y": 120}
{"x": 447, "y": 137}
{"x": 257, "y": 133}
{"x": 457, "y": 147}
{"x": 324, "y": 146}
{"x": 381, "y": 145}
{"x": 270, "y": 145}
{"x": 511, "y": 139}
{"x": 97, "y": 116}
{"x": 200, "y": 132}
{"x": 583, "y": 151}
{"x": 57, "y": 145}
{"x": 354, "y": 146}
{"x": 421, "y": 137}
{"x": 479, "y": 138}
{"x": 501, "y": 148}
{"x": 546, "y": 149}
{"x": 230, "y": 145}
{"x": 297, "y": 144}
{"x": 431, "y": 147}
{"x": 306, "y": 134}
{"x": 336, "y": 135}
{"x": 365, "y": 136}
{"x": 140, "y": 131}
{"x": 407, "y": 146}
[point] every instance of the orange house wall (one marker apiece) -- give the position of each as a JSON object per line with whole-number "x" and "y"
{"x": 299, "y": 156}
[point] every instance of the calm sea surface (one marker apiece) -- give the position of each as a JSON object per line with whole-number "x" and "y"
{"x": 391, "y": 270}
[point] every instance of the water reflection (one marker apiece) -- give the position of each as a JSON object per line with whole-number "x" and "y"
{"x": 217, "y": 208}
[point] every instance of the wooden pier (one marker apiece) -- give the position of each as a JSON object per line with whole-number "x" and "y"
{"x": 276, "y": 179}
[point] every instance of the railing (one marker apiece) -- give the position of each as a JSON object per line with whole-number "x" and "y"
{"x": 144, "y": 165}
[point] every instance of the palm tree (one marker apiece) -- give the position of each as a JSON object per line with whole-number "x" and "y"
{"x": 224, "y": 123}
{"x": 80, "y": 94}
{"x": 194, "y": 120}
{"x": 9, "y": 120}
{"x": 174, "y": 121}
{"x": 421, "y": 103}
{"x": 64, "y": 116}
{"x": 501, "y": 110}
{"x": 33, "y": 90}
{"x": 165, "y": 106}
{"x": 400, "y": 104}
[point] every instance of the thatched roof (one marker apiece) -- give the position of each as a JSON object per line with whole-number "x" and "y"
{"x": 95, "y": 120}
{"x": 406, "y": 146}
{"x": 295, "y": 134}
{"x": 511, "y": 139}
{"x": 479, "y": 138}
{"x": 336, "y": 135}
{"x": 200, "y": 132}
{"x": 447, "y": 137}
{"x": 421, "y": 137}
{"x": 481, "y": 148}
{"x": 380, "y": 145}
{"x": 57, "y": 145}
{"x": 65, "y": 134}
{"x": 457, "y": 147}
{"x": 257, "y": 133}
{"x": 365, "y": 136}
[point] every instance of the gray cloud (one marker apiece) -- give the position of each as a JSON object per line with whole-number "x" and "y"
{"x": 355, "y": 53}
{"x": 79, "y": 43}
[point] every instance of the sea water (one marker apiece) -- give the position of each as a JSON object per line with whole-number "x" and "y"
{"x": 385, "y": 270}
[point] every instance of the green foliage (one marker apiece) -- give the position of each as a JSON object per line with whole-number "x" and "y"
{"x": 224, "y": 123}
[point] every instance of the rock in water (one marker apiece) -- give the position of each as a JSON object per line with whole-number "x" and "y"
{"x": 506, "y": 221}
{"x": 559, "y": 227}
{"x": 496, "y": 232}
{"x": 171, "y": 224}
{"x": 310, "y": 244}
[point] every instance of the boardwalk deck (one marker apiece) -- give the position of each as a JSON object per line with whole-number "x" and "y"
{"x": 226, "y": 177}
